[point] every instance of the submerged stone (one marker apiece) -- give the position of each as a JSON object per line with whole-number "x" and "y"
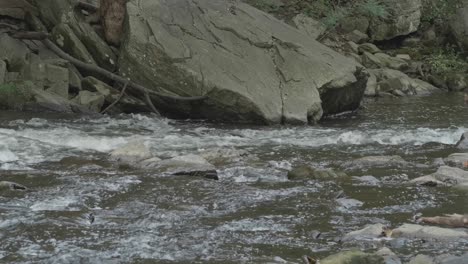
{"x": 353, "y": 257}
{"x": 131, "y": 153}
{"x": 305, "y": 172}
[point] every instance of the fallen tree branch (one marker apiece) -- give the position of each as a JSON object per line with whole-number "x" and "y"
{"x": 151, "y": 105}
{"x": 116, "y": 100}
{"x": 96, "y": 69}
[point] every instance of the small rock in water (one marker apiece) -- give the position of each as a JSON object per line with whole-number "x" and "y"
{"x": 131, "y": 153}
{"x": 90, "y": 218}
{"x": 368, "y": 180}
{"x": 12, "y": 186}
{"x": 349, "y": 203}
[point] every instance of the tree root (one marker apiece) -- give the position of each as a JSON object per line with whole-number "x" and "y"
{"x": 116, "y": 100}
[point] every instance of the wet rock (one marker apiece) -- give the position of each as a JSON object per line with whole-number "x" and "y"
{"x": 11, "y": 186}
{"x": 404, "y": 18}
{"x": 305, "y": 172}
{"x": 347, "y": 203}
{"x": 353, "y": 256}
{"x": 459, "y": 160}
{"x": 131, "y": 153}
{"x": 422, "y": 259}
{"x": 388, "y": 255}
{"x": 367, "y": 180}
{"x": 221, "y": 156}
{"x": 377, "y": 161}
{"x": 357, "y": 36}
{"x": 367, "y": 233}
{"x": 444, "y": 176}
{"x": 149, "y": 163}
{"x": 251, "y": 49}
{"x": 390, "y": 80}
{"x": 90, "y": 100}
{"x": 371, "y": 86}
{"x": 414, "y": 231}
{"x": 15, "y": 8}
{"x": 191, "y": 165}
{"x": 463, "y": 142}
{"x": 368, "y": 47}
{"x": 309, "y": 26}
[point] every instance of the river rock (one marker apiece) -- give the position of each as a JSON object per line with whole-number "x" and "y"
{"x": 353, "y": 256}
{"x": 390, "y": 80}
{"x": 370, "y": 60}
{"x": 251, "y": 66}
{"x": 347, "y": 203}
{"x": 388, "y": 255}
{"x": 377, "y": 161}
{"x": 351, "y": 46}
{"x": 463, "y": 142}
{"x": 192, "y": 165}
{"x": 367, "y": 233}
{"x": 459, "y": 26}
{"x": 414, "y": 231}
{"x": 459, "y": 160}
{"x": 221, "y": 156}
{"x": 371, "y": 86}
{"x": 309, "y": 26}
{"x": 444, "y": 176}
{"x": 421, "y": 259}
{"x": 404, "y": 17}
{"x": 11, "y": 186}
{"x": 305, "y": 172}
{"x": 131, "y": 153}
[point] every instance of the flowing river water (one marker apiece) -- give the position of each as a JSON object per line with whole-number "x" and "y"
{"x": 252, "y": 214}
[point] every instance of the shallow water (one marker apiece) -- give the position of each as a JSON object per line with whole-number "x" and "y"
{"x": 253, "y": 214}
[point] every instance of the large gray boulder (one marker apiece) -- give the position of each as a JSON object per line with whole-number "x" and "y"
{"x": 251, "y": 66}
{"x": 404, "y": 17}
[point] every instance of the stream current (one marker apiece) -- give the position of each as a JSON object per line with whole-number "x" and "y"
{"x": 252, "y": 214}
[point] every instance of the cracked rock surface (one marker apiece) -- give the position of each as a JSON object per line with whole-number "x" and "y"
{"x": 251, "y": 66}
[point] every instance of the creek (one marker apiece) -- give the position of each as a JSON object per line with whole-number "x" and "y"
{"x": 252, "y": 214}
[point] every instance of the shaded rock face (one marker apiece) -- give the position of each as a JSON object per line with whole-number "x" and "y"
{"x": 251, "y": 66}
{"x": 459, "y": 27}
{"x": 404, "y": 18}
